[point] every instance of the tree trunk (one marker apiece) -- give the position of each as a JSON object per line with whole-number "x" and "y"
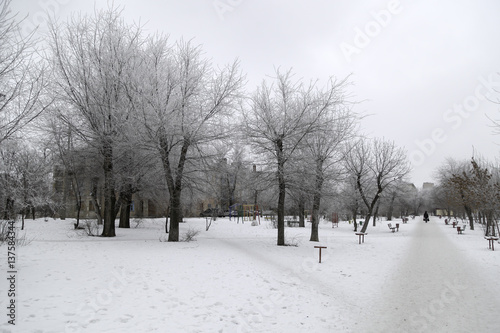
{"x": 78, "y": 201}
{"x": 315, "y": 218}
{"x": 468, "y": 211}
{"x": 368, "y": 205}
{"x": 78, "y": 209}
{"x": 370, "y": 212}
{"x": 302, "y": 223}
{"x": 166, "y": 219}
{"x": 390, "y": 210}
{"x": 9, "y": 210}
{"x": 366, "y": 221}
{"x": 109, "y": 192}
{"x": 281, "y": 193}
{"x": 376, "y": 215}
{"x": 95, "y": 202}
{"x": 63, "y": 211}
{"x": 175, "y": 215}
{"x": 126, "y": 204}
{"x": 354, "y": 213}
{"x": 316, "y": 202}
{"x": 175, "y": 189}
{"x": 490, "y": 225}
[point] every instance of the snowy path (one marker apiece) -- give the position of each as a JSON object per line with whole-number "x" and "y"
{"x": 435, "y": 289}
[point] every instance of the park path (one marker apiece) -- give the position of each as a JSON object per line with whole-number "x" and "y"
{"x": 434, "y": 289}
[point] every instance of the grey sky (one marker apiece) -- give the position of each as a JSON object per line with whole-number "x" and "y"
{"x": 420, "y": 66}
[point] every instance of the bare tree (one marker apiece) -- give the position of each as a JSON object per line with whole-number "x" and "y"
{"x": 375, "y": 167}
{"x": 325, "y": 148}
{"x": 399, "y": 194}
{"x": 300, "y": 190}
{"x": 69, "y": 163}
{"x": 22, "y": 77}
{"x": 279, "y": 118}
{"x": 26, "y": 182}
{"x": 350, "y": 199}
{"x": 455, "y": 184}
{"x": 93, "y": 58}
{"x": 479, "y": 192}
{"x": 184, "y": 102}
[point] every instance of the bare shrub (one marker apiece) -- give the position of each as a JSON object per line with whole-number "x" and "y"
{"x": 88, "y": 228}
{"x": 292, "y": 241}
{"x": 190, "y": 235}
{"x": 23, "y": 240}
{"x": 6, "y": 234}
{"x": 4, "y": 230}
{"x": 138, "y": 222}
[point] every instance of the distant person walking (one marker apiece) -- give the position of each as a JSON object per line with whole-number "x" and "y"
{"x": 426, "y": 217}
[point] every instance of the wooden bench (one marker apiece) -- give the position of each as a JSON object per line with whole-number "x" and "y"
{"x": 361, "y": 236}
{"x": 292, "y": 223}
{"x": 393, "y": 229}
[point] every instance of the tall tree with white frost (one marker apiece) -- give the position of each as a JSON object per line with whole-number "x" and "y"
{"x": 93, "y": 58}
{"x": 184, "y": 100}
{"x": 22, "y": 77}
{"x": 325, "y": 148}
{"x": 455, "y": 185}
{"x": 280, "y": 116}
{"x": 375, "y": 166}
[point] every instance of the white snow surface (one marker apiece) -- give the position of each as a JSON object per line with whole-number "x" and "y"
{"x": 234, "y": 278}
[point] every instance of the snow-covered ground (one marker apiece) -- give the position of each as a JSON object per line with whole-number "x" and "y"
{"x": 233, "y": 278}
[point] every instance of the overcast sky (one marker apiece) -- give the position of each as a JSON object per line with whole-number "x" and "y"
{"x": 425, "y": 70}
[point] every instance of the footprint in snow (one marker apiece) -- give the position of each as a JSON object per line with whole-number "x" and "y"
{"x": 125, "y": 318}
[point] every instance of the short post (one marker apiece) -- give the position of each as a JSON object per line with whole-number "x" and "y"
{"x": 320, "y": 247}
{"x": 397, "y": 226}
{"x": 491, "y": 242}
{"x": 361, "y": 236}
